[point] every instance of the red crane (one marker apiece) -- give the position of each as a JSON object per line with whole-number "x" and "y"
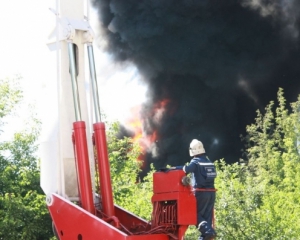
{"x": 67, "y": 169}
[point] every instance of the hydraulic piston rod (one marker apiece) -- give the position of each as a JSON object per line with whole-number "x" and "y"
{"x": 73, "y": 74}
{"x": 100, "y": 143}
{"x": 94, "y": 82}
{"x": 80, "y": 141}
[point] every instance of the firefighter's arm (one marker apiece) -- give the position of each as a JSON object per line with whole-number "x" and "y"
{"x": 191, "y": 167}
{"x": 167, "y": 169}
{"x": 177, "y": 168}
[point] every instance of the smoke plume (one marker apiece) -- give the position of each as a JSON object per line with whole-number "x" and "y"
{"x": 213, "y": 62}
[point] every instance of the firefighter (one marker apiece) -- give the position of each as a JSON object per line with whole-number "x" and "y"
{"x": 203, "y": 175}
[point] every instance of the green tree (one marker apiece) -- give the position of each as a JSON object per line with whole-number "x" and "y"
{"x": 23, "y": 212}
{"x": 10, "y": 95}
{"x": 259, "y": 199}
{"x": 273, "y": 154}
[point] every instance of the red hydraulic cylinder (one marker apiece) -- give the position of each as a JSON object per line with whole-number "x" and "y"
{"x": 104, "y": 169}
{"x": 83, "y": 167}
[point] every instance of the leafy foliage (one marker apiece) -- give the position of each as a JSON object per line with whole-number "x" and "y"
{"x": 10, "y": 95}
{"x": 23, "y": 212}
{"x": 259, "y": 199}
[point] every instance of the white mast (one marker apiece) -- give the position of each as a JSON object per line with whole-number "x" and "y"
{"x": 58, "y": 171}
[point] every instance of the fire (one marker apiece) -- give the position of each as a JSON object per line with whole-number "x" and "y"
{"x": 136, "y": 127}
{"x": 147, "y": 140}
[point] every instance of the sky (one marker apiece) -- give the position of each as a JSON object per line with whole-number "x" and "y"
{"x": 26, "y": 27}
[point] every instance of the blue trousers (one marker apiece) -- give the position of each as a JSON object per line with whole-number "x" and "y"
{"x": 205, "y": 206}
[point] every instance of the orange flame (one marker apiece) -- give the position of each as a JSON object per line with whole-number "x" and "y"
{"x": 135, "y": 124}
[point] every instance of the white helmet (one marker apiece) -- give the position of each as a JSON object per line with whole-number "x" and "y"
{"x": 196, "y": 147}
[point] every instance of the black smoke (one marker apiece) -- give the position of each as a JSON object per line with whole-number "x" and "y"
{"x": 216, "y": 61}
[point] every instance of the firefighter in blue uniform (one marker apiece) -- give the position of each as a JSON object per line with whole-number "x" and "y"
{"x": 203, "y": 175}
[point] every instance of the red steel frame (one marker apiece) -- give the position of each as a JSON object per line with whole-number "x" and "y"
{"x": 74, "y": 223}
{"x": 174, "y": 206}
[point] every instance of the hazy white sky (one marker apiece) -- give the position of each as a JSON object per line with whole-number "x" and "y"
{"x": 26, "y": 26}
